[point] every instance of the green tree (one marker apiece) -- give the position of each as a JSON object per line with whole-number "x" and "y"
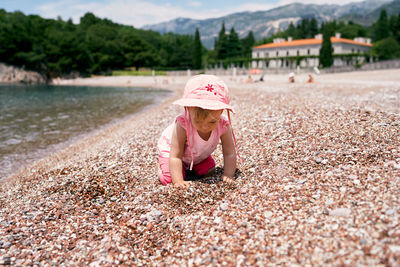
{"x": 398, "y": 28}
{"x": 146, "y": 58}
{"x": 305, "y": 28}
{"x": 179, "y": 50}
{"x": 247, "y": 44}
{"x": 393, "y": 25}
{"x": 351, "y": 30}
{"x": 103, "y": 45}
{"x": 221, "y": 45}
{"x": 386, "y": 49}
{"x": 197, "y": 50}
{"x": 299, "y": 32}
{"x": 233, "y": 46}
{"x": 88, "y": 20}
{"x": 291, "y": 31}
{"x": 325, "y": 53}
{"x": 131, "y": 46}
{"x": 313, "y": 27}
{"x": 381, "y": 30}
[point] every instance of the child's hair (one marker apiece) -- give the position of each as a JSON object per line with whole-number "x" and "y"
{"x": 201, "y": 113}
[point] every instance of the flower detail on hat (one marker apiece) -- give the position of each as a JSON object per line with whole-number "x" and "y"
{"x": 207, "y": 92}
{"x": 209, "y": 88}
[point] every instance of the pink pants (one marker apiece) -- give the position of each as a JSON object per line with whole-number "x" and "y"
{"x": 200, "y": 169}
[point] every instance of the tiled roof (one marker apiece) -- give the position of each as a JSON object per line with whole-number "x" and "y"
{"x": 312, "y": 41}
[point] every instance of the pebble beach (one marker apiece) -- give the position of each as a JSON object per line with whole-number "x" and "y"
{"x": 318, "y": 184}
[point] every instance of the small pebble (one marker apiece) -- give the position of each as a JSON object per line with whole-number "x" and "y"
{"x": 217, "y": 220}
{"x": 340, "y": 212}
{"x": 302, "y": 181}
{"x": 224, "y": 206}
{"x": 390, "y": 212}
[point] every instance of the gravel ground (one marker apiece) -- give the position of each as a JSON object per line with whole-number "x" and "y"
{"x": 319, "y": 185}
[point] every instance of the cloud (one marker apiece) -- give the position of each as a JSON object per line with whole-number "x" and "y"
{"x": 136, "y": 13}
{"x": 195, "y": 4}
{"x": 67, "y": 9}
{"x": 255, "y": 6}
{"x": 320, "y": 2}
{"x": 139, "y": 13}
{"x": 250, "y": 7}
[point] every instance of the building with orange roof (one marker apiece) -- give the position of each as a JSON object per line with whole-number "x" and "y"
{"x": 283, "y": 53}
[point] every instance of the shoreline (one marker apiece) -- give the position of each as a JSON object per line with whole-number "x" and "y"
{"x": 318, "y": 185}
{"x": 54, "y": 149}
{"x": 68, "y": 146}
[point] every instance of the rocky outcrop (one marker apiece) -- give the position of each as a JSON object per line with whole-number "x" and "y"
{"x": 10, "y": 74}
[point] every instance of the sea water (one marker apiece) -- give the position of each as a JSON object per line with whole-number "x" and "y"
{"x": 36, "y": 120}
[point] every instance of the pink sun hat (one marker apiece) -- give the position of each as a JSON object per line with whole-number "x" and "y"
{"x": 207, "y": 92}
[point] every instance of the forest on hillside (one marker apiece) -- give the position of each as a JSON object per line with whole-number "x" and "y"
{"x": 57, "y": 48}
{"x": 94, "y": 46}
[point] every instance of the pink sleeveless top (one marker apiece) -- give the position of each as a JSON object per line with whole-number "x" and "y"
{"x": 201, "y": 149}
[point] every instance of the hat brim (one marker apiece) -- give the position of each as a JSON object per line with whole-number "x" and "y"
{"x": 202, "y": 103}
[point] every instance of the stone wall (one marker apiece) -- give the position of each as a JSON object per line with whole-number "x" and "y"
{"x": 379, "y": 65}
{"x": 10, "y": 74}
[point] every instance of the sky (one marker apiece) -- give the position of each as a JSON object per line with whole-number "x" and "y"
{"x": 139, "y": 13}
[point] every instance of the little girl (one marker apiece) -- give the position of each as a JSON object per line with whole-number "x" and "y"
{"x": 187, "y": 144}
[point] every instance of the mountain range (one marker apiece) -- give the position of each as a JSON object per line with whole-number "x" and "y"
{"x": 265, "y": 23}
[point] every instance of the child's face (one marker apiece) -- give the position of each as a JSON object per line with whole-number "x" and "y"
{"x": 208, "y": 124}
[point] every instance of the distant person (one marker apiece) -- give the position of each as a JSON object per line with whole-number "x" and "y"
{"x": 249, "y": 79}
{"x": 310, "y": 79}
{"x": 261, "y": 79}
{"x": 291, "y": 77}
{"x": 188, "y": 142}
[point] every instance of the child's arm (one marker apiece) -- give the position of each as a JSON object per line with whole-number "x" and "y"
{"x": 229, "y": 152}
{"x": 175, "y": 158}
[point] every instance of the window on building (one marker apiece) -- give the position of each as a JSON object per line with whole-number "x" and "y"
{"x": 352, "y": 50}
{"x": 308, "y": 51}
{"x": 258, "y": 54}
{"x": 266, "y": 54}
{"x": 358, "y": 50}
{"x": 298, "y": 52}
{"x": 287, "y": 53}
{"x": 333, "y": 50}
{"x": 277, "y": 53}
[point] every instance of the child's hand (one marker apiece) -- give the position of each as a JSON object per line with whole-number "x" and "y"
{"x": 227, "y": 179}
{"x": 183, "y": 184}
